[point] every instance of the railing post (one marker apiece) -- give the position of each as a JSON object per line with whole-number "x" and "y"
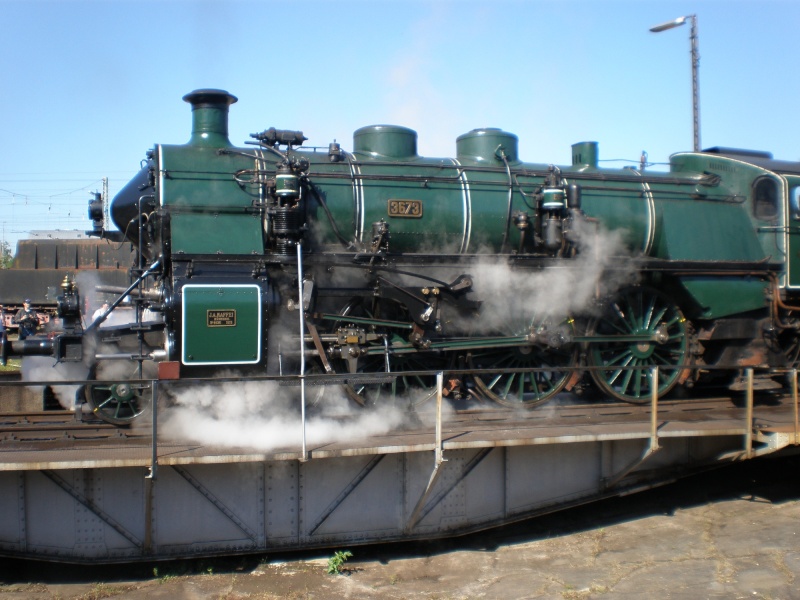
{"x": 794, "y": 403}
{"x": 151, "y": 476}
{"x": 438, "y": 458}
{"x": 439, "y": 386}
{"x": 654, "y": 409}
{"x": 301, "y": 310}
{"x": 154, "y": 433}
{"x": 748, "y": 432}
{"x": 653, "y": 447}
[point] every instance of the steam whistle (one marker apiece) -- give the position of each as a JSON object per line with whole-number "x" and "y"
{"x": 557, "y": 203}
{"x": 274, "y": 137}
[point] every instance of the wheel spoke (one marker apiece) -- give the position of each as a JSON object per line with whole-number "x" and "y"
{"x": 638, "y": 375}
{"x": 103, "y": 404}
{"x": 534, "y": 384}
{"x": 622, "y": 358}
{"x": 624, "y": 372}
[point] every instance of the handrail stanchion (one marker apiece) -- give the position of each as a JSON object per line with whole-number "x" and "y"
{"x": 748, "y": 432}
{"x": 438, "y": 458}
{"x": 301, "y": 310}
{"x": 654, "y": 409}
{"x": 150, "y": 478}
{"x": 794, "y": 402}
{"x": 653, "y": 446}
{"x": 439, "y": 386}
{"x": 154, "y": 455}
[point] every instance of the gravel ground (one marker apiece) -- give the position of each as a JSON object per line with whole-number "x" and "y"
{"x": 731, "y": 533}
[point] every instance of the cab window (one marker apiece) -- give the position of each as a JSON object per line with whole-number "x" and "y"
{"x": 765, "y": 198}
{"x": 794, "y": 203}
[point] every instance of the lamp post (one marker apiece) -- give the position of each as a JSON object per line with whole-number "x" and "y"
{"x": 695, "y": 62}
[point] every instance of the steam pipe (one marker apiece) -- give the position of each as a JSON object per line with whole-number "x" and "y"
{"x": 112, "y": 289}
{"x": 776, "y": 293}
{"x": 155, "y": 355}
{"x": 32, "y": 347}
{"x": 510, "y": 198}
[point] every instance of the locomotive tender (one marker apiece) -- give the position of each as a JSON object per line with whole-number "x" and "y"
{"x": 502, "y": 273}
{"x": 40, "y": 266}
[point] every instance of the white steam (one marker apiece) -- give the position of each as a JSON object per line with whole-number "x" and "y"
{"x": 567, "y": 289}
{"x": 45, "y": 369}
{"x": 261, "y": 415}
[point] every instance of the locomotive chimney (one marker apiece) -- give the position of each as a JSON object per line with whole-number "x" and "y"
{"x": 210, "y": 117}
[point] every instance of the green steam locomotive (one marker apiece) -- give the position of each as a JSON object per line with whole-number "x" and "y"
{"x": 379, "y": 268}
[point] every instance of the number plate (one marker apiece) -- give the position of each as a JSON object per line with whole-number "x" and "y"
{"x": 405, "y": 208}
{"x": 221, "y": 318}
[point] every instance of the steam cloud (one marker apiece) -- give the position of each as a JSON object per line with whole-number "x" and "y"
{"x": 261, "y": 415}
{"x": 45, "y": 369}
{"x": 569, "y": 289}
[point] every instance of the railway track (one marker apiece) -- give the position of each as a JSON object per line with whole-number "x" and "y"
{"x": 64, "y": 425}
{"x": 57, "y": 425}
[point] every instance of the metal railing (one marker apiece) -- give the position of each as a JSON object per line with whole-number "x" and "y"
{"x": 159, "y": 387}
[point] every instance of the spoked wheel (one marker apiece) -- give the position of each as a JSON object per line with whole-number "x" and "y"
{"x": 627, "y": 365}
{"x": 413, "y": 385}
{"x": 788, "y": 341}
{"x": 119, "y": 402}
{"x": 551, "y": 356}
{"x": 415, "y": 382}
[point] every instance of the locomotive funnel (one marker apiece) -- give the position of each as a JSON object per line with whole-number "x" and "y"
{"x": 210, "y": 117}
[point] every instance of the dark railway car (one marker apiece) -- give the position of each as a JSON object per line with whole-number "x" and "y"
{"x": 41, "y": 265}
{"x": 276, "y": 258}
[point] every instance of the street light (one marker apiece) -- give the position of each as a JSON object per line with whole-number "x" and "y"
{"x": 695, "y": 63}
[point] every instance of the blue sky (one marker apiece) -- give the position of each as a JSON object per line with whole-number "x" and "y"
{"x": 90, "y": 86}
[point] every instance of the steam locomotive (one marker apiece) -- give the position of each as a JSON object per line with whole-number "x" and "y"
{"x": 379, "y": 268}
